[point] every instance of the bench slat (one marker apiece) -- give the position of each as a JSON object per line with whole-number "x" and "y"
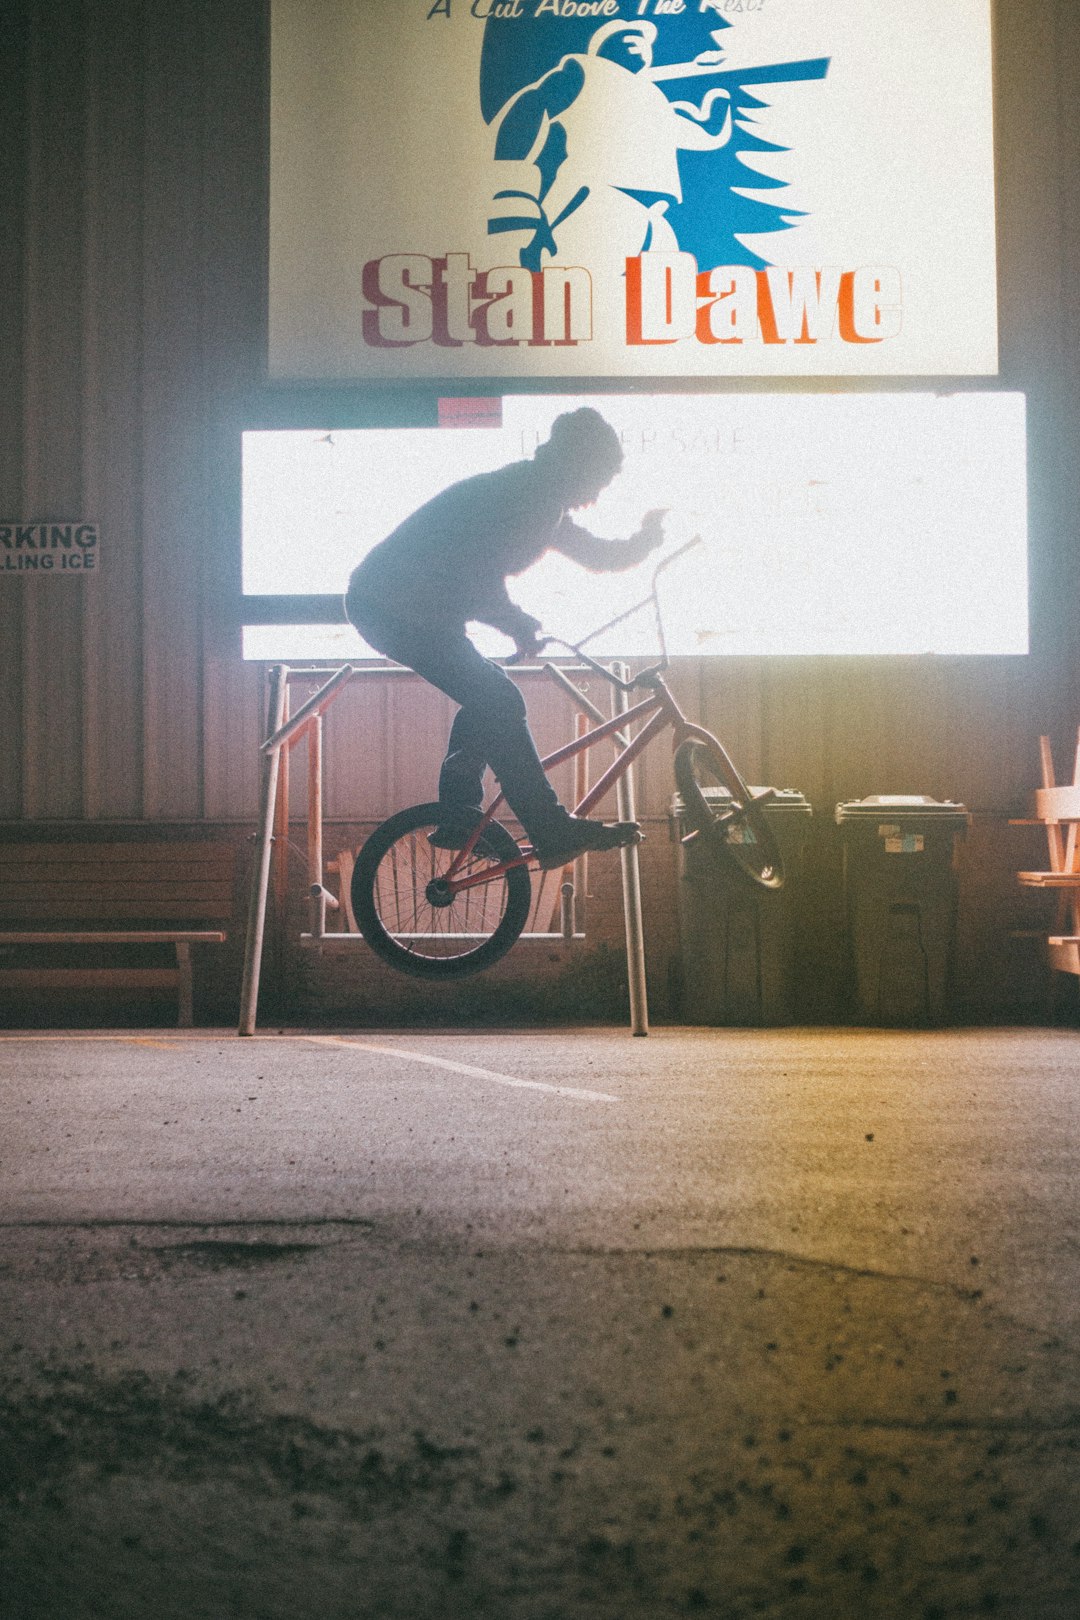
{"x": 76, "y": 910}
{"x": 44, "y": 893}
{"x": 97, "y": 853}
{"x": 90, "y": 978}
{"x": 113, "y": 936}
{"x": 116, "y": 874}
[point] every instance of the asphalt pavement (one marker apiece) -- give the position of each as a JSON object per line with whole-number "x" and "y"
{"x": 540, "y": 1325}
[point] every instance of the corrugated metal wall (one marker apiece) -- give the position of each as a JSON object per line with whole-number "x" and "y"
{"x": 132, "y": 294}
{"x": 133, "y": 227}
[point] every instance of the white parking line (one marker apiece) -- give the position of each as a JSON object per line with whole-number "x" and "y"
{"x": 407, "y": 1056}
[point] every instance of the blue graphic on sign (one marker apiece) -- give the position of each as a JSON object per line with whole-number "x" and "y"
{"x": 625, "y": 131}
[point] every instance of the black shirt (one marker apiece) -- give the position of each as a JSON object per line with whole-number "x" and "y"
{"x": 450, "y": 559}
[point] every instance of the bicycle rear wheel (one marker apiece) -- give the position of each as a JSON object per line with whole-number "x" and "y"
{"x": 413, "y": 923}
{"x": 721, "y": 809}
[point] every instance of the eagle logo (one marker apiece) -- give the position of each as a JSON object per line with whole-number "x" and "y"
{"x": 625, "y": 134}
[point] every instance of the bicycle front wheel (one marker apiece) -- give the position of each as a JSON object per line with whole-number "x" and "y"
{"x": 408, "y": 917}
{"x": 721, "y": 809}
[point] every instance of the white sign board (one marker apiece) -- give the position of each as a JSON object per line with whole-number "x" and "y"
{"x": 621, "y": 188}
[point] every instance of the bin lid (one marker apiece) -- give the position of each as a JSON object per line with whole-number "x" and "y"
{"x": 785, "y": 801}
{"x": 900, "y": 807}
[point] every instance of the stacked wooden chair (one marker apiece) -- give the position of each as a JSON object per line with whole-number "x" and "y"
{"x": 1057, "y": 809}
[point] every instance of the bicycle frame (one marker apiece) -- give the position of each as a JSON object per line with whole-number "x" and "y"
{"x": 659, "y": 711}
{"x": 662, "y": 711}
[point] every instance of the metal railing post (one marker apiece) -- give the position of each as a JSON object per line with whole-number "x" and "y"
{"x": 264, "y": 843}
{"x": 315, "y": 826}
{"x": 631, "y": 882}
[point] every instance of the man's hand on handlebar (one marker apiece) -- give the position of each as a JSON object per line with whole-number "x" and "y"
{"x": 526, "y": 649}
{"x": 529, "y": 640}
{"x": 529, "y": 637}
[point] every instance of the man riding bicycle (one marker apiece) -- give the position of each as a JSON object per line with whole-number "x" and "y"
{"x": 447, "y": 564}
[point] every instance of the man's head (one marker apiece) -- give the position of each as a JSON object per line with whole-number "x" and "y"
{"x": 582, "y": 455}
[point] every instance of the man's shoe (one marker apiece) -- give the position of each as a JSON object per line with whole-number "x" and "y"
{"x": 580, "y": 836}
{"x": 454, "y": 832}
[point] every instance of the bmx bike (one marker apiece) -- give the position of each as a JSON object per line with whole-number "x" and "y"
{"x": 444, "y": 914}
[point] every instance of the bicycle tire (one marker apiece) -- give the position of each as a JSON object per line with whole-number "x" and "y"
{"x": 390, "y": 900}
{"x": 739, "y": 833}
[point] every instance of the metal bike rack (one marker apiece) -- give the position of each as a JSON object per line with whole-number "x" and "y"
{"x": 631, "y": 866}
{"x": 271, "y": 840}
{"x": 284, "y": 732}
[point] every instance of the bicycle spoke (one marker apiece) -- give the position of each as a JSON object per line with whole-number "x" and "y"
{"x": 410, "y": 866}
{"x": 412, "y": 914}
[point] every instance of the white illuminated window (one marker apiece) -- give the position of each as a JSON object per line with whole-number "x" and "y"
{"x": 844, "y": 523}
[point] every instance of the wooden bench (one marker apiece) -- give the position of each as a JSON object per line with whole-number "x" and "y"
{"x": 98, "y": 894}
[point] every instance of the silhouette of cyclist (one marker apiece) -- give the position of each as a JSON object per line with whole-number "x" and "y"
{"x": 447, "y": 564}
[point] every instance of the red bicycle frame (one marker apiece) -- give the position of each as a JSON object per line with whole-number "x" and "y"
{"x": 664, "y": 711}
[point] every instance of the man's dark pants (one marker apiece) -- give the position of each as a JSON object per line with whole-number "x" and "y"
{"x": 491, "y": 726}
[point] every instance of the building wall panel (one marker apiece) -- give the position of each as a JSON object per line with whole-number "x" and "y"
{"x": 53, "y": 464}
{"x": 112, "y": 630}
{"x": 14, "y": 202}
{"x": 177, "y": 281}
{"x": 133, "y": 205}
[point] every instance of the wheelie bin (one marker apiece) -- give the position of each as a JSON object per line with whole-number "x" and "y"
{"x": 736, "y": 962}
{"x": 900, "y": 897}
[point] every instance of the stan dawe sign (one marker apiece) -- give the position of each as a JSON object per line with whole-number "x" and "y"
{"x": 608, "y": 188}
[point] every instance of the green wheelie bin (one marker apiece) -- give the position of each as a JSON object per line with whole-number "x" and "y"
{"x": 736, "y": 961}
{"x": 900, "y": 897}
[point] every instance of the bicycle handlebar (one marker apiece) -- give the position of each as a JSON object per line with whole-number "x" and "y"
{"x": 576, "y": 650}
{"x": 678, "y": 552}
